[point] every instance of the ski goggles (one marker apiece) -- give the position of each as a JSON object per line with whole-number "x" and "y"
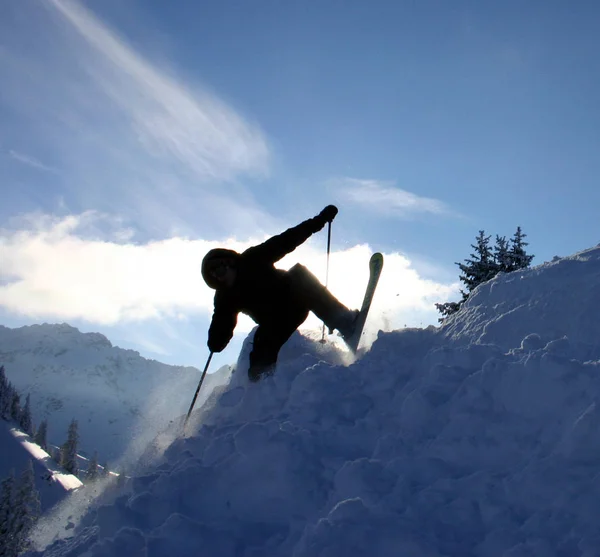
{"x": 218, "y": 267}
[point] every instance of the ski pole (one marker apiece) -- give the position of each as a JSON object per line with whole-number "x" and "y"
{"x": 327, "y": 270}
{"x": 197, "y": 390}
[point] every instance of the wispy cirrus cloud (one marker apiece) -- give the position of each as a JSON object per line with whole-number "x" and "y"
{"x": 196, "y": 128}
{"x": 30, "y": 161}
{"x": 385, "y": 198}
{"x": 130, "y": 135}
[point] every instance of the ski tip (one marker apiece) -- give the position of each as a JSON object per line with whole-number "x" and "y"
{"x": 376, "y": 258}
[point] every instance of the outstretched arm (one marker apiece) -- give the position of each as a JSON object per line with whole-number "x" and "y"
{"x": 279, "y": 246}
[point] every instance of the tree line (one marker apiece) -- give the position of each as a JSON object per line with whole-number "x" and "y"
{"x": 20, "y": 505}
{"x": 10, "y": 405}
{"x": 65, "y": 455}
{"x": 505, "y": 256}
{"x": 20, "y": 508}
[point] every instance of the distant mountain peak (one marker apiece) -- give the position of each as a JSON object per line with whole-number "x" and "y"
{"x": 58, "y": 332}
{"x": 70, "y": 374}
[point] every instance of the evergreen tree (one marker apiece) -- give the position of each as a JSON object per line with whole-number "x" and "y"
{"x": 502, "y": 255}
{"x": 25, "y": 420}
{"x": 27, "y": 508}
{"x": 447, "y": 309}
{"x": 93, "y": 471}
{"x": 41, "y": 434}
{"x": 5, "y": 404}
{"x": 5, "y": 398}
{"x": 7, "y": 505}
{"x": 15, "y": 406}
{"x": 518, "y": 258}
{"x": 68, "y": 457}
{"x": 104, "y": 472}
{"x": 484, "y": 264}
{"x": 481, "y": 266}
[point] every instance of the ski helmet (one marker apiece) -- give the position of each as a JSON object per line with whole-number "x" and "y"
{"x": 212, "y": 258}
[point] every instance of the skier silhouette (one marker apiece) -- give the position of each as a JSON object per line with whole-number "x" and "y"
{"x": 278, "y": 301}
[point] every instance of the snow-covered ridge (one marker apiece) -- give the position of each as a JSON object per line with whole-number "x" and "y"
{"x": 55, "y": 339}
{"x": 555, "y": 299}
{"x": 478, "y": 439}
{"x": 108, "y": 390}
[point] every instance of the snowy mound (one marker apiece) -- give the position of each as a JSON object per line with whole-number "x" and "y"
{"x": 558, "y": 298}
{"x": 478, "y": 439}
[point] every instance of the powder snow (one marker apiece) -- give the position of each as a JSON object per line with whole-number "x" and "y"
{"x": 478, "y": 438}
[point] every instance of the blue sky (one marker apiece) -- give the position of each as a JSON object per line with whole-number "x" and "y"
{"x": 135, "y": 136}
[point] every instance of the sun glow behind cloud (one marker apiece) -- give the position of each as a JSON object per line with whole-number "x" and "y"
{"x": 166, "y": 167}
{"x": 60, "y": 270}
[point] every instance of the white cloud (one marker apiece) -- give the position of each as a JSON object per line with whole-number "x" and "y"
{"x": 385, "y": 198}
{"x": 54, "y": 272}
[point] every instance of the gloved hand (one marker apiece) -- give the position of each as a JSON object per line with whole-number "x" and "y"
{"x": 329, "y": 213}
{"x": 215, "y": 345}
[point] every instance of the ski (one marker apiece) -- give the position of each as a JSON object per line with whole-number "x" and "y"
{"x": 375, "y": 268}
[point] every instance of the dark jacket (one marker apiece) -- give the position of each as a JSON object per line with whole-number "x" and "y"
{"x": 260, "y": 290}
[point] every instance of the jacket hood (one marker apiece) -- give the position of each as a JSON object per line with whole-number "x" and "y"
{"x": 218, "y": 253}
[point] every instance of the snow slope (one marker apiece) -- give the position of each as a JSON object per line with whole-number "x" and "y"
{"x": 115, "y": 395}
{"x": 18, "y": 449}
{"x": 481, "y": 438}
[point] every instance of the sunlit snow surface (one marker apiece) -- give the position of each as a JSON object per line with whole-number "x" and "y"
{"x": 478, "y": 439}
{"x": 54, "y": 472}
